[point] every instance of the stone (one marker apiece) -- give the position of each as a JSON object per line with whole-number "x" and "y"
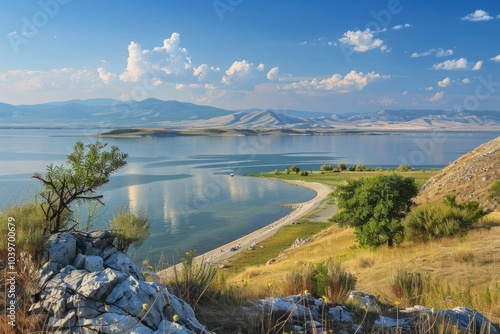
{"x": 171, "y": 327}
{"x": 98, "y": 285}
{"x": 120, "y": 261}
{"x": 61, "y": 248}
{"x": 79, "y": 261}
{"x": 93, "y": 263}
{"x": 48, "y": 270}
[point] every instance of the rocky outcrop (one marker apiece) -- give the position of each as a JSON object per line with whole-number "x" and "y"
{"x": 305, "y": 314}
{"x": 88, "y": 286}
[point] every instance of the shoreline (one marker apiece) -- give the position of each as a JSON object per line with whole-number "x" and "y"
{"x": 232, "y": 248}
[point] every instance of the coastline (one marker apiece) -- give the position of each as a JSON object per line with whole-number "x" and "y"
{"x": 219, "y": 254}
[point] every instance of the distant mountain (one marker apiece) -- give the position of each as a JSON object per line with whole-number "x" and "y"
{"x": 109, "y": 113}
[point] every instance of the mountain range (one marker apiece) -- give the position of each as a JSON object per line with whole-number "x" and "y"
{"x": 110, "y": 113}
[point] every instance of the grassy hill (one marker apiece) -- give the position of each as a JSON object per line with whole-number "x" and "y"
{"x": 458, "y": 271}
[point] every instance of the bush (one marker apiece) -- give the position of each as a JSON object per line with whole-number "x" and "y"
{"x": 325, "y": 168}
{"x": 341, "y": 166}
{"x": 294, "y": 169}
{"x": 434, "y": 221}
{"x": 322, "y": 279}
{"x": 277, "y": 172}
{"x": 403, "y": 168}
{"x": 360, "y": 168}
{"x": 408, "y": 285}
{"x": 352, "y": 168}
{"x": 30, "y": 226}
{"x": 304, "y": 173}
{"x": 130, "y": 230}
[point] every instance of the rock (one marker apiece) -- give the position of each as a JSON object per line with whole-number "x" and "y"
{"x": 88, "y": 286}
{"x": 93, "y": 263}
{"x": 367, "y": 301}
{"x": 61, "y": 248}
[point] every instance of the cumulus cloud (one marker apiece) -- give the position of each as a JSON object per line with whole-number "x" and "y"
{"x": 353, "y": 81}
{"x": 454, "y": 64}
{"x": 466, "y": 81}
{"x": 205, "y": 73}
{"x": 105, "y": 76}
{"x": 496, "y": 59}
{"x": 477, "y": 66}
{"x": 363, "y": 41}
{"x": 242, "y": 75}
{"x": 163, "y": 62}
{"x": 273, "y": 73}
{"x": 401, "y": 26}
{"x": 478, "y": 15}
{"x": 438, "y": 96}
{"x": 444, "y": 83}
{"x": 429, "y": 88}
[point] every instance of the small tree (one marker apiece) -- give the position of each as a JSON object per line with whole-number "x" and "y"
{"x": 294, "y": 169}
{"x": 374, "y": 207}
{"x": 341, "y": 166}
{"x": 89, "y": 167}
{"x": 325, "y": 168}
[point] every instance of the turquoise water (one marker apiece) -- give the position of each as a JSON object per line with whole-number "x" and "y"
{"x": 183, "y": 185}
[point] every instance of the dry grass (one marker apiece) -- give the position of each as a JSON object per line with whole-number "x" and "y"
{"x": 461, "y": 270}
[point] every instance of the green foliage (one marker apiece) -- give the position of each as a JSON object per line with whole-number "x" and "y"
{"x": 352, "y": 168}
{"x": 304, "y": 173}
{"x": 321, "y": 279}
{"x": 408, "y": 285}
{"x": 325, "y": 168}
{"x": 374, "y": 207}
{"x": 495, "y": 192}
{"x": 29, "y": 222}
{"x": 341, "y": 166}
{"x": 130, "y": 230}
{"x": 192, "y": 281}
{"x": 88, "y": 168}
{"x": 379, "y": 169}
{"x": 360, "y": 168}
{"x": 277, "y": 172}
{"x": 403, "y": 168}
{"x": 434, "y": 221}
{"x": 294, "y": 169}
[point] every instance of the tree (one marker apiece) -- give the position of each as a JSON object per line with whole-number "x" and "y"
{"x": 341, "y": 166}
{"x": 374, "y": 207}
{"x": 294, "y": 169}
{"x": 325, "y": 168}
{"x": 88, "y": 168}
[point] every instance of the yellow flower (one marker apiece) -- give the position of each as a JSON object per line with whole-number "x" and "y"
{"x": 101, "y": 319}
{"x": 397, "y": 303}
{"x": 432, "y": 310}
{"x": 145, "y": 262}
{"x": 269, "y": 285}
{"x": 176, "y": 318}
{"x": 145, "y": 307}
{"x": 150, "y": 268}
{"x": 78, "y": 300}
{"x": 306, "y": 292}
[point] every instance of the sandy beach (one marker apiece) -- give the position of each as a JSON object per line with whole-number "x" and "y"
{"x": 219, "y": 254}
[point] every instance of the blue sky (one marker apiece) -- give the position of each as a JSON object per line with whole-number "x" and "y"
{"x": 325, "y": 55}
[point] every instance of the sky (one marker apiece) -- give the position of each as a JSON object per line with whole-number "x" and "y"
{"x": 325, "y": 55}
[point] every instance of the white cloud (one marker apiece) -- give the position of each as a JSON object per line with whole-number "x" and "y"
{"x": 243, "y": 75}
{"x": 162, "y": 62}
{"x": 204, "y": 73}
{"x": 477, "y": 66}
{"x": 444, "y": 83}
{"x": 352, "y": 81}
{"x": 496, "y": 59}
{"x": 439, "y": 53}
{"x": 105, "y": 76}
{"x": 466, "y": 81}
{"x": 429, "y": 88}
{"x": 438, "y": 96}
{"x": 478, "y": 15}
{"x": 363, "y": 41}
{"x": 444, "y": 53}
{"x": 54, "y": 79}
{"x": 401, "y": 26}
{"x": 404, "y": 93}
{"x": 273, "y": 73}
{"x": 454, "y": 64}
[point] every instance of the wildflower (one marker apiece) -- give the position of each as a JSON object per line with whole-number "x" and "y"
{"x": 176, "y": 318}
{"x": 397, "y": 303}
{"x": 78, "y": 300}
{"x": 145, "y": 262}
{"x": 306, "y": 292}
{"x": 432, "y": 310}
{"x": 101, "y": 319}
{"x": 269, "y": 285}
{"x": 145, "y": 307}
{"x": 150, "y": 268}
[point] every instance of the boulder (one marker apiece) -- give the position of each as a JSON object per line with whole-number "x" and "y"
{"x": 88, "y": 286}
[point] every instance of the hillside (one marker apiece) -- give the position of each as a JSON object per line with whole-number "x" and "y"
{"x": 470, "y": 177}
{"x": 154, "y": 113}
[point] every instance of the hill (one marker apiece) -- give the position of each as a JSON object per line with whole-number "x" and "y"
{"x": 470, "y": 177}
{"x": 154, "y": 113}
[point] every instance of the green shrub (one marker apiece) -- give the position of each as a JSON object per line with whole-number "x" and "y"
{"x": 352, "y": 168}
{"x": 277, "y": 172}
{"x": 294, "y": 169}
{"x": 326, "y": 168}
{"x": 30, "y": 225}
{"x": 341, "y": 166}
{"x": 434, "y": 221}
{"x": 403, "y": 168}
{"x": 328, "y": 279}
{"x": 407, "y": 285}
{"x": 130, "y": 230}
{"x": 304, "y": 173}
{"x": 360, "y": 168}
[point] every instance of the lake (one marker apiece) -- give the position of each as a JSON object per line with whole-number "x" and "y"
{"x": 183, "y": 185}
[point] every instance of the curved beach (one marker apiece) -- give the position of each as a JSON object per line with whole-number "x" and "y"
{"x": 219, "y": 254}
